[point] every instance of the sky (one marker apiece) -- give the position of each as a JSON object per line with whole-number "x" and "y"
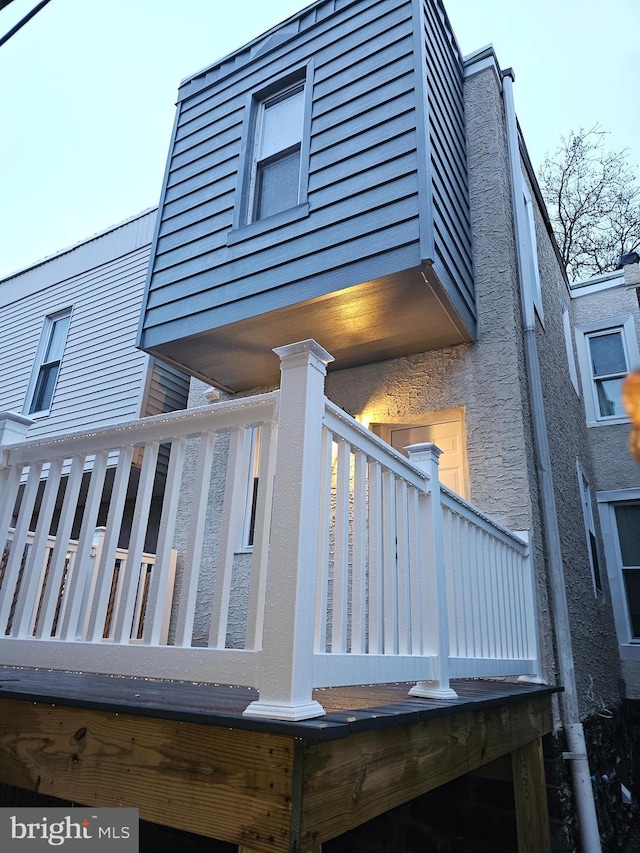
{"x": 88, "y": 87}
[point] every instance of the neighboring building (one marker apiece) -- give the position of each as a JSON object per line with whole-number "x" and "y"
{"x": 69, "y": 360}
{"x": 349, "y": 177}
{"x": 606, "y": 314}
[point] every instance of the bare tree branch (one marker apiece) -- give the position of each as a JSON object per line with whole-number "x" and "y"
{"x": 593, "y": 198}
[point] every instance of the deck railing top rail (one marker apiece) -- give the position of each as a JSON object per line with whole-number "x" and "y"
{"x": 185, "y": 423}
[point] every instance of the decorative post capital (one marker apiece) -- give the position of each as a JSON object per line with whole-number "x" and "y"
{"x": 303, "y": 353}
{"x": 13, "y": 427}
{"x": 423, "y": 454}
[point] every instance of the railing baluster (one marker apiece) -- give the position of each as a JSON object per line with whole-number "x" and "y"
{"x": 9, "y": 486}
{"x": 80, "y": 585}
{"x": 389, "y": 564}
{"x": 193, "y": 551}
{"x": 359, "y": 567}
{"x": 36, "y": 563}
{"x": 322, "y": 563}
{"x": 502, "y": 601}
{"x": 341, "y": 551}
{"x": 99, "y": 603}
{"x": 259, "y": 558}
{"x": 131, "y": 581}
{"x": 156, "y": 623}
{"x": 376, "y": 602}
{"x": 483, "y": 591}
{"x": 14, "y": 563}
{"x": 469, "y": 559}
{"x": 402, "y": 550}
{"x": 453, "y": 584}
{"x": 415, "y": 575}
{"x": 518, "y": 646}
{"x": 51, "y": 600}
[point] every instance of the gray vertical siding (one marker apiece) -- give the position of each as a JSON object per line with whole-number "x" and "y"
{"x": 448, "y": 156}
{"x": 364, "y": 209}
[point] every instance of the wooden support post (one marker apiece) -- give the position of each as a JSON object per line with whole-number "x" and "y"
{"x": 532, "y": 813}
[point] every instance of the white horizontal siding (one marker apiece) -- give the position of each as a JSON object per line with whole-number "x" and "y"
{"x": 103, "y": 374}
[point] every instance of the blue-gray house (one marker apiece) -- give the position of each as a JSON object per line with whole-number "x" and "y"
{"x": 317, "y": 187}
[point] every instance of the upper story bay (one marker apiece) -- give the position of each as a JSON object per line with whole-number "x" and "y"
{"x": 316, "y": 187}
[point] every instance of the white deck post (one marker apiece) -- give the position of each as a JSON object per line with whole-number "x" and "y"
{"x": 13, "y": 427}
{"x": 426, "y": 456}
{"x": 288, "y": 634}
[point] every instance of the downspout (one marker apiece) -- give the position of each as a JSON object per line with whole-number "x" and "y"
{"x": 577, "y": 754}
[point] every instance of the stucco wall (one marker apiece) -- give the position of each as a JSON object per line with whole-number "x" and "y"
{"x": 209, "y": 559}
{"x": 591, "y": 618}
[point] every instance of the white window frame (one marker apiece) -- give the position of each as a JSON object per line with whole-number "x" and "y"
{"x": 623, "y": 324}
{"x": 607, "y": 502}
{"x": 533, "y": 284}
{"x": 591, "y": 538}
{"x": 264, "y": 104}
{"x": 568, "y": 342}
{"x": 245, "y": 223}
{"x": 41, "y": 364}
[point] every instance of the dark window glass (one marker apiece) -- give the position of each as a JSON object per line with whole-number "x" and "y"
{"x": 628, "y": 522}
{"x": 632, "y": 586}
{"x": 607, "y": 354}
{"x": 44, "y": 387}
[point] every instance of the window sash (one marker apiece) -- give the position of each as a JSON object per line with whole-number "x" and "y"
{"x": 47, "y": 365}
{"x": 277, "y": 153}
{"x": 607, "y": 351}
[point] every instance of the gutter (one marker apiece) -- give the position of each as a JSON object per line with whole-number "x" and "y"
{"x": 570, "y": 713}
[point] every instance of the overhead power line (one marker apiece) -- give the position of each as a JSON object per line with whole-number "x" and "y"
{"x": 22, "y": 22}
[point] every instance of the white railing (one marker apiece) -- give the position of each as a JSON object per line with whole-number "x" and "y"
{"x": 66, "y": 593}
{"x": 377, "y": 580}
{"x": 48, "y": 613}
{"x": 362, "y": 568}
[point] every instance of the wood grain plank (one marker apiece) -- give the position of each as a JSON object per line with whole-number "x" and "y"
{"x": 532, "y": 813}
{"x": 223, "y": 783}
{"x": 346, "y": 783}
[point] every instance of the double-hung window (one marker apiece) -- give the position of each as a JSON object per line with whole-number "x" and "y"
{"x": 48, "y": 360}
{"x": 275, "y": 180}
{"x": 607, "y": 352}
{"x": 609, "y": 366}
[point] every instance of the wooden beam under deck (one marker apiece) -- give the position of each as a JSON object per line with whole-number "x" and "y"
{"x": 266, "y": 786}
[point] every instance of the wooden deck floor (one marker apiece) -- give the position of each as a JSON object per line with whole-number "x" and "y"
{"x": 186, "y": 757}
{"x": 349, "y": 709}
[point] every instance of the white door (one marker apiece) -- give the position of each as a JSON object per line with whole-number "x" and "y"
{"x": 448, "y": 437}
